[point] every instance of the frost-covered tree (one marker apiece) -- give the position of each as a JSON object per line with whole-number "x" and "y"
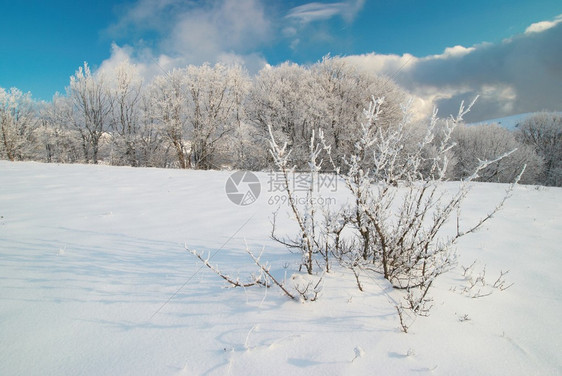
{"x": 294, "y": 100}
{"x": 341, "y": 93}
{"x": 125, "y": 90}
{"x": 18, "y": 120}
{"x": 240, "y": 148}
{"x": 214, "y": 103}
{"x": 151, "y": 146}
{"x": 197, "y": 108}
{"x": 60, "y": 141}
{"x": 543, "y": 132}
{"x": 91, "y": 107}
{"x": 169, "y": 109}
{"x": 285, "y": 98}
{"x": 486, "y": 142}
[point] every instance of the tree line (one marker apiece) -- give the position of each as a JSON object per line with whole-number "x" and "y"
{"x": 214, "y": 117}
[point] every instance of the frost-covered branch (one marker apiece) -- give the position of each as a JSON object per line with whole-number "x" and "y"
{"x": 265, "y": 269}
{"x": 259, "y": 280}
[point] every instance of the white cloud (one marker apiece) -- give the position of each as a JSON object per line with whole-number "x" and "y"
{"x": 148, "y": 15}
{"x": 543, "y": 25}
{"x": 118, "y": 55}
{"x": 300, "y": 22}
{"x": 322, "y": 11}
{"x": 189, "y": 32}
{"x": 294, "y": 43}
{"x": 381, "y": 64}
{"x": 195, "y": 32}
{"x": 456, "y": 51}
{"x": 229, "y": 26}
{"x": 316, "y": 11}
{"x": 148, "y": 66}
{"x": 289, "y": 31}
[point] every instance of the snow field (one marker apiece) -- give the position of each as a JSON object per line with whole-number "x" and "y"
{"x": 92, "y": 264}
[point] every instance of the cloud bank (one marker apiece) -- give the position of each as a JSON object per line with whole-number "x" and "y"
{"x": 520, "y": 74}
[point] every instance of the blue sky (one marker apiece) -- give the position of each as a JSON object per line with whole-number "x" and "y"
{"x": 42, "y": 43}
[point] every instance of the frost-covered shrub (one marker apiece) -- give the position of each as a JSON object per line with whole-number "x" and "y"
{"x": 393, "y": 223}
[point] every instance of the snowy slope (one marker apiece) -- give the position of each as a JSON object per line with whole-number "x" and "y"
{"x": 95, "y": 280}
{"x": 509, "y": 122}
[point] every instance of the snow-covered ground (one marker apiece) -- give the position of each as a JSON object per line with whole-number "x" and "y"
{"x": 509, "y": 122}
{"x": 95, "y": 280}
